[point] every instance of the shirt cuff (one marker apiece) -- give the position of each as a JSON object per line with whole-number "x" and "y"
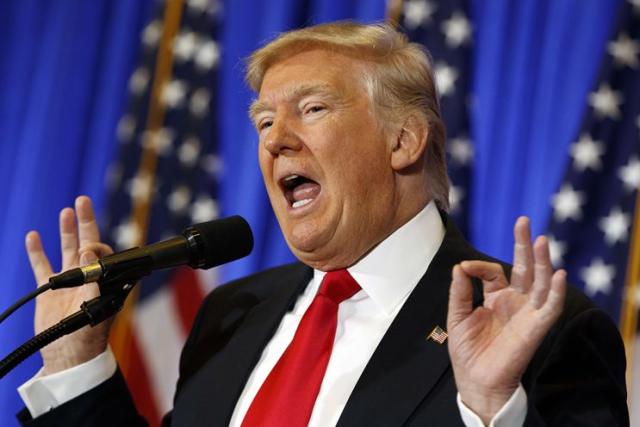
{"x": 512, "y": 413}
{"x": 43, "y": 393}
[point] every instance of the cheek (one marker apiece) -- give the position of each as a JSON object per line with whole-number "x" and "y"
{"x": 265, "y": 163}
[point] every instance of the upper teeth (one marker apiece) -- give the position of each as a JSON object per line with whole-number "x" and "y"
{"x": 290, "y": 177}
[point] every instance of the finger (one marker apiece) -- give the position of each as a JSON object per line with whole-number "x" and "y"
{"x": 87, "y": 227}
{"x": 522, "y": 272}
{"x": 543, "y": 271}
{"x": 460, "y": 298}
{"x": 555, "y": 301}
{"x": 90, "y": 290}
{"x": 37, "y": 258}
{"x": 87, "y": 258}
{"x": 99, "y": 249}
{"x": 491, "y": 274}
{"x": 68, "y": 238}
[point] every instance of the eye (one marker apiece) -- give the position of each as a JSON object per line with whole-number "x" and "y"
{"x": 264, "y": 124}
{"x": 314, "y": 108}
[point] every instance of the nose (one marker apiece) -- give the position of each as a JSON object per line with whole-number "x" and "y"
{"x": 282, "y": 136}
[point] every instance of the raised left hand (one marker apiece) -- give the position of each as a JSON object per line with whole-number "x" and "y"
{"x": 490, "y": 346}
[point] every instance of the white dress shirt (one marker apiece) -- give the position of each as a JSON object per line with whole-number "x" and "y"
{"x": 362, "y": 322}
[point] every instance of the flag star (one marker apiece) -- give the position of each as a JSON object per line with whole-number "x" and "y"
{"x": 184, "y": 46}
{"x": 456, "y": 194}
{"x": 446, "y": 77}
{"x": 630, "y": 174}
{"x": 140, "y": 187}
{"x": 152, "y": 33}
{"x": 567, "y": 203}
{"x": 598, "y": 277}
{"x": 207, "y": 56}
{"x": 615, "y": 226}
{"x": 418, "y": 13}
{"x": 173, "y": 93}
{"x": 200, "y": 6}
{"x": 204, "y": 209}
{"x": 189, "y": 151}
{"x": 606, "y": 102}
{"x": 457, "y": 30}
{"x": 586, "y": 153}
{"x": 126, "y": 128}
{"x": 461, "y": 150}
{"x": 557, "y": 250}
{"x": 624, "y": 51}
{"x": 179, "y": 199}
{"x": 139, "y": 80}
{"x": 199, "y": 104}
{"x": 126, "y": 235}
{"x": 212, "y": 164}
{"x": 161, "y": 140}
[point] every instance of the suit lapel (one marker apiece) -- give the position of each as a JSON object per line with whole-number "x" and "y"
{"x": 210, "y": 397}
{"x": 405, "y": 365}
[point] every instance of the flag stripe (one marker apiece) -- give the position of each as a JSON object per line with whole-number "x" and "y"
{"x": 187, "y": 295}
{"x": 158, "y": 328}
{"x": 139, "y": 385}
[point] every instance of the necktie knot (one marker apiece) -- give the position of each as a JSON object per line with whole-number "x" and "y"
{"x": 338, "y": 285}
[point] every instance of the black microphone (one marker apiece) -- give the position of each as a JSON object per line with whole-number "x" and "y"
{"x": 203, "y": 245}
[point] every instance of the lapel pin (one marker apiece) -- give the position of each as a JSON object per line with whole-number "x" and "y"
{"x": 438, "y": 334}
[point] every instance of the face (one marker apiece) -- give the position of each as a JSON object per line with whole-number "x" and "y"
{"x": 325, "y": 160}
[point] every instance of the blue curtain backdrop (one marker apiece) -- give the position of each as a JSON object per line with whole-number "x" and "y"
{"x": 64, "y": 67}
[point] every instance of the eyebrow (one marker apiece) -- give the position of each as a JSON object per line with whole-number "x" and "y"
{"x": 297, "y": 93}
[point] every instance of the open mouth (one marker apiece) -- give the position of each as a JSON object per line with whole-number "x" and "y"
{"x": 299, "y": 190}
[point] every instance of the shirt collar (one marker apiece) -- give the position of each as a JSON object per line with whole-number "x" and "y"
{"x": 394, "y": 267}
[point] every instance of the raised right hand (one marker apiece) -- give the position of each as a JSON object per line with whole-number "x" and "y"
{"x": 80, "y": 245}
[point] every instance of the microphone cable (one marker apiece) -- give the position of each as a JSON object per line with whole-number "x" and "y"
{"x": 22, "y": 301}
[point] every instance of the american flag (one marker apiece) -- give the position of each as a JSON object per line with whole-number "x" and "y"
{"x": 445, "y": 28}
{"x": 438, "y": 334}
{"x": 164, "y": 179}
{"x": 592, "y": 226}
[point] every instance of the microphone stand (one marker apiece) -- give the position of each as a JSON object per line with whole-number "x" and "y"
{"x": 114, "y": 289}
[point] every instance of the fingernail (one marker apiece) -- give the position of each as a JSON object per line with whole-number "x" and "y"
{"x": 87, "y": 258}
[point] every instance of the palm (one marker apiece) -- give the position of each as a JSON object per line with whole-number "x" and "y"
{"x": 492, "y": 335}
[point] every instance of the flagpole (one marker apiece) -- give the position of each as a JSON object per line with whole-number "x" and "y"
{"x": 394, "y": 10}
{"x": 121, "y": 331}
{"x": 629, "y": 312}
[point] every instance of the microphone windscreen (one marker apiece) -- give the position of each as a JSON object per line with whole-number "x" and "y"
{"x": 224, "y": 240}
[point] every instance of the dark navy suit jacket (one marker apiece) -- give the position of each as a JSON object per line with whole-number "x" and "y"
{"x": 576, "y": 378}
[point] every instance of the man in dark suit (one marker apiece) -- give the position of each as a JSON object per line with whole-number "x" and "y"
{"x": 352, "y": 155}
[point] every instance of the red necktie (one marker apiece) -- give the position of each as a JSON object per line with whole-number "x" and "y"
{"x": 289, "y": 393}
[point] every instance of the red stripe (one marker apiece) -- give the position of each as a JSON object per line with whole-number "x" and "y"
{"x": 187, "y": 294}
{"x": 140, "y": 385}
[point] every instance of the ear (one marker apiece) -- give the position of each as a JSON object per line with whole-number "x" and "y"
{"x": 410, "y": 143}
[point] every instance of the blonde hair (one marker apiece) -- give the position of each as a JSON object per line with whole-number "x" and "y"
{"x": 400, "y": 80}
